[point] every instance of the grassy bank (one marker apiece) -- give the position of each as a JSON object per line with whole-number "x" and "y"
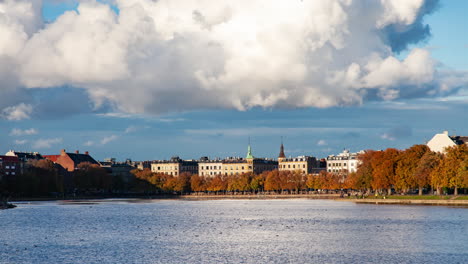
{"x": 413, "y": 197}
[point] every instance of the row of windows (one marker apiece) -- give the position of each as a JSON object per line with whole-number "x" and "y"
{"x": 237, "y": 168}
{"x": 10, "y": 167}
{"x": 8, "y": 173}
{"x": 211, "y": 173}
{"x": 340, "y": 164}
{"x": 210, "y": 167}
{"x": 293, "y": 166}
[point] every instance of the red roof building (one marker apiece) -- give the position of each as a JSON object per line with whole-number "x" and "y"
{"x": 70, "y": 161}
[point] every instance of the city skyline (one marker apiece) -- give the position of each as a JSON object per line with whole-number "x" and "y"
{"x": 46, "y": 109}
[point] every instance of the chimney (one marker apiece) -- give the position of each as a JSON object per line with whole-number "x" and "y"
{"x": 62, "y": 152}
{"x": 77, "y": 152}
{"x": 86, "y": 153}
{"x": 446, "y": 132}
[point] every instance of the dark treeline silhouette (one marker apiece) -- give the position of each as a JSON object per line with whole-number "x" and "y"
{"x": 43, "y": 178}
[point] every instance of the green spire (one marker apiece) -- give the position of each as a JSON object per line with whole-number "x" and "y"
{"x": 249, "y": 152}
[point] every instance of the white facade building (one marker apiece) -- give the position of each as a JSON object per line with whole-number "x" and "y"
{"x": 440, "y": 142}
{"x": 345, "y": 162}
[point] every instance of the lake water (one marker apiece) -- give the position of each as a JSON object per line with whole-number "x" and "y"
{"x": 232, "y": 231}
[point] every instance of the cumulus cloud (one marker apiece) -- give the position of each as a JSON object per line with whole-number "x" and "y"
{"x": 17, "y": 112}
{"x": 25, "y": 132}
{"x": 46, "y": 143}
{"x": 177, "y": 55}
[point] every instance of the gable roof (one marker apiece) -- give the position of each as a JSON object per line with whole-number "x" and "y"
{"x": 52, "y": 157}
{"x": 80, "y": 158}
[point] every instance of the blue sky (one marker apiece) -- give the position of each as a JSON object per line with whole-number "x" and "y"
{"x": 67, "y": 117}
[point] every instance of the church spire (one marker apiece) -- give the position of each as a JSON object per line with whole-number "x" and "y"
{"x": 249, "y": 152}
{"x": 281, "y": 154}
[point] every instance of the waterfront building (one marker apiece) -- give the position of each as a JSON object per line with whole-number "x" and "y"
{"x": 141, "y": 165}
{"x": 236, "y": 165}
{"x": 23, "y": 158}
{"x": 345, "y": 162}
{"x": 70, "y": 161}
{"x": 207, "y": 167}
{"x": 120, "y": 170}
{"x": 175, "y": 166}
{"x": 304, "y": 164}
{"x": 441, "y": 141}
{"x": 9, "y": 166}
{"x": 249, "y": 164}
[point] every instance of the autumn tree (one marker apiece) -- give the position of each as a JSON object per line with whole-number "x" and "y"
{"x": 454, "y": 158}
{"x": 383, "y": 169}
{"x": 258, "y": 182}
{"x": 364, "y": 171}
{"x": 183, "y": 183}
{"x": 428, "y": 162}
{"x": 218, "y": 183}
{"x": 272, "y": 181}
{"x": 407, "y": 166}
{"x": 197, "y": 183}
{"x": 463, "y": 173}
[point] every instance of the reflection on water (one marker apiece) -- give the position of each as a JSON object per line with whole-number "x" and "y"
{"x": 231, "y": 231}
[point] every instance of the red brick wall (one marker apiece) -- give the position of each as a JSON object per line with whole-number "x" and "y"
{"x": 66, "y": 162}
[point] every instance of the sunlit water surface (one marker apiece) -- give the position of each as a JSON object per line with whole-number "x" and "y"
{"x": 232, "y": 231}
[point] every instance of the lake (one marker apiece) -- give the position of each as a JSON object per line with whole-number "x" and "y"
{"x": 232, "y": 231}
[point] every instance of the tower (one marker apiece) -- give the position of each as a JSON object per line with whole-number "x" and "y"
{"x": 249, "y": 152}
{"x": 281, "y": 155}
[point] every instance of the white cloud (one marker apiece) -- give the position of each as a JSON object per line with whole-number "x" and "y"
{"x": 109, "y": 139}
{"x": 89, "y": 143}
{"x": 25, "y": 132}
{"x": 387, "y": 136}
{"x": 21, "y": 141}
{"x": 47, "y": 143}
{"x": 131, "y": 129}
{"x": 181, "y": 55}
{"x": 322, "y": 143}
{"x": 18, "y": 112}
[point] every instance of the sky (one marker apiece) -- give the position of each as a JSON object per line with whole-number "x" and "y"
{"x": 148, "y": 80}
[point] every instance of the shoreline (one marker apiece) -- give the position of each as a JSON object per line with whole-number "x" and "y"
{"x": 406, "y": 201}
{"x": 334, "y": 197}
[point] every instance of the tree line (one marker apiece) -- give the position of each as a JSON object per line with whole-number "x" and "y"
{"x": 385, "y": 172}
{"x": 416, "y": 168}
{"x": 43, "y": 178}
